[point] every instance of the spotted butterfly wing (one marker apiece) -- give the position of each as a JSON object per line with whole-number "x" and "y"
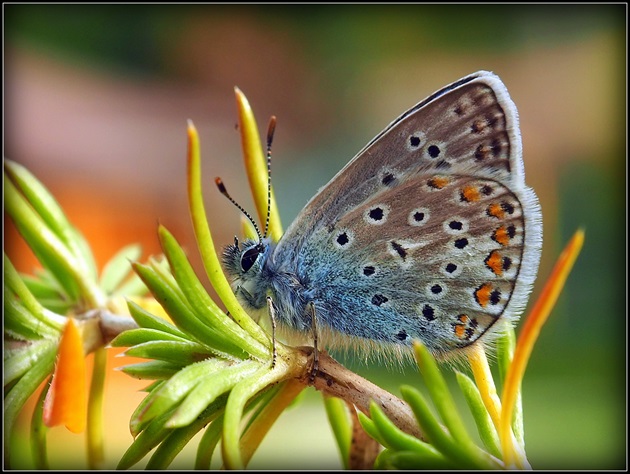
{"x": 428, "y": 233}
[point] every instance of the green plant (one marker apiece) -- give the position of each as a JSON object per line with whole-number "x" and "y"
{"x": 212, "y": 370}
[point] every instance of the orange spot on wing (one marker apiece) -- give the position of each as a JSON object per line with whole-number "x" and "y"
{"x": 482, "y": 294}
{"x": 460, "y": 331}
{"x": 470, "y": 193}
{"x": 438, "y": 182}
{"x": 501, "y": 236}
{"x": 496, "y": 210}
{"x": 495, "y": 262}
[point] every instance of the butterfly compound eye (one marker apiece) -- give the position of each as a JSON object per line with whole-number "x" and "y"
{"x": 249, "y": 257}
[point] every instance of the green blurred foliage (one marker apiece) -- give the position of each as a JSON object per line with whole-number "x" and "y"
{"x": 133, "y": 37}
{"x": 574, "y": 390}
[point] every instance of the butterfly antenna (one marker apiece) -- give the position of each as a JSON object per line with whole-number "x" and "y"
{"x": 270, "y": 132}
{"x": 223, "y": 190}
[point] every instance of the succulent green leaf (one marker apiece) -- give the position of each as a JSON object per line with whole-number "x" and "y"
{"x": 57, "y": 305}
{"x": 19, "y": 361}
{"x": 370, "y": 428}
{"x": 184, "y": 352}
{"x": 46, "y": 206}
{"x": 465, "y": 455}
{"x": 21, "y": 324}
{"x": 485, "y": 427}
{"x": 198, "y": 298}
{"x": 239, "y": 396}
{"x": 40, "y": 289}
{"x": 69, "y": 270}
{"x": 181, "y": 384}
{"x": 152, "y": 370}
{"x": 208, "y": 443}
{"x": 174, "y": 443}
{"x": 119, "y": 267}
{"x": 133, "y": 337}
{"x": 266, "y": 407}
{"x": 205, "y": 243}
{"x": 440, "y": 395}
{"x": 413, "y": 460}
{"x": 147, "y": 320}
{"x": 152, "y": 434}
{"x": 18, "y": 325}
{"x": 212, "y": 386}
{"x": 38, "y": 433}
{"x": 48, "y": 292}
{"x": 18, "y": 394}
{"x": 137, "y": 422}
{"x": 505, "y": 353}
{"x": 15, "y": 288}
{"x": 156, "y": 432}
{"x": 394, "y": 438}
{"x": 183, "y": 315}
{"x": 341, "y": 425}
{"x": 431, "y": 427}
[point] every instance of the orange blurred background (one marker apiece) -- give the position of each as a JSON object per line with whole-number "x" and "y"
{"x": 96, "y": 102}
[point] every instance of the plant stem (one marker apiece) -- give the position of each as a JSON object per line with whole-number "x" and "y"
{"x": 335, "y": 380}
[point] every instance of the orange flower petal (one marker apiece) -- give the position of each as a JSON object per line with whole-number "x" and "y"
{"x": 529, "y": 335}
{"x": 66, "y": 400}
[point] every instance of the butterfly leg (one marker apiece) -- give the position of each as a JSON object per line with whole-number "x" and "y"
{"x": 315, "y": 368}
{"x": 272, "y": 315}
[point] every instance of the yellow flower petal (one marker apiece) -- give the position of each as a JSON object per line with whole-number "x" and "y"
{"x": 256, "y": 167}
{"x": 66, "y": 400}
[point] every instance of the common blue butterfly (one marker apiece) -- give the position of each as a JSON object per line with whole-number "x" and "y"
{"x": 428, "y": 233}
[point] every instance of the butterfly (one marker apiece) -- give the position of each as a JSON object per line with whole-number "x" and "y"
{"x": 428, "y": 233}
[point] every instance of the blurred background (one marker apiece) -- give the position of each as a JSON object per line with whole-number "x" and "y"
{"x": 96, "y": 99}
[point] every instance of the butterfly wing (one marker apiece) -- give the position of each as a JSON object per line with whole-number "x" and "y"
{"x": 429, "y": 231}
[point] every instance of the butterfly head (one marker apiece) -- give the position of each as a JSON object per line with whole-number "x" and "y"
{"x": 244, "y": 264}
